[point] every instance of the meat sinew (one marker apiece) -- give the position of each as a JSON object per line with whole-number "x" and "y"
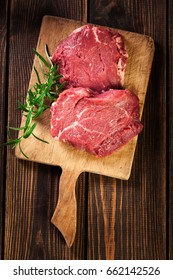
{"x": 93, "y": 57}
{"x": 97, "y": 123}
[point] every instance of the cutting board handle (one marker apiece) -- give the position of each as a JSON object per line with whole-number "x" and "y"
{"x": 64, "y": 217}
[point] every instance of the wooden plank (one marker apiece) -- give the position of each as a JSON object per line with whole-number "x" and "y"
{"x": 170, "y": 131}
{"x": 3, "y": 57}
{"x": 140, "y": 49}
{"x": 127, "y": 220}
{"x": 32, "y": 189}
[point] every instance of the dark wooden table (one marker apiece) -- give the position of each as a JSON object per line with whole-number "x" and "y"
{"x": 116, "y": 219}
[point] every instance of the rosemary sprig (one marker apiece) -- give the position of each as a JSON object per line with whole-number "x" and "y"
{"x": 35, "y": 105}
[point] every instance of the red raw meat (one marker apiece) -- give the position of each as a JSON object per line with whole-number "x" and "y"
{"x": 98, "y": 123}
{"x": 93, "y": 57}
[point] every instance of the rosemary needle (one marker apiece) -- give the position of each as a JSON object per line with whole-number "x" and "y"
{"x": 34, "y": 105}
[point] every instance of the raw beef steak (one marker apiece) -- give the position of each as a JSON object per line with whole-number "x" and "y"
{"x": 93, "y": 57}
{"x": 97, "y": 123}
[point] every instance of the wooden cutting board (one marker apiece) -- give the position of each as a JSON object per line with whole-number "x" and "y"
{"x": 140, "y": 49}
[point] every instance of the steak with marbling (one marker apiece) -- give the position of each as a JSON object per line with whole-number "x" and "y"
{"x": 98, "y": 123}
{"x": 93, "y": 57}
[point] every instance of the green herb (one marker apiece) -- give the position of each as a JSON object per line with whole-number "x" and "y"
{"x": 35, "y": 100}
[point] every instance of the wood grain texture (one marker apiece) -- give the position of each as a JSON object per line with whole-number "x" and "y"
{"x": 64, "y": 217}
{"x": 140, "y": 50}
{"x": 3, "y": 99}
{"x": 32, "y": 189}
{"x": 170, "y": 132}
{"x": 127, "y": 220}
